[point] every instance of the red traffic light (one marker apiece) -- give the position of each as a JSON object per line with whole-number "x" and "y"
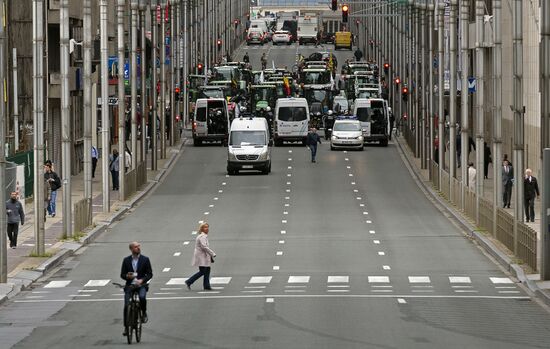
{"x": 236, "y": 21}
{"x": 397, "y": 81}
{"x": 177, "y": 90}
{"x": 219, "y": 42}
{"x": 199, "y": 68}
{"x": 405, "y": 90}
{"x": 386, "y": 66}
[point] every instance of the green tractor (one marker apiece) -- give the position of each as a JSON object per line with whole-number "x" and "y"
{"x": 263, "y": 96}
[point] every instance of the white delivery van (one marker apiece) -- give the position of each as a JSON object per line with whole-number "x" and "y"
{"x": 374, "y": 117}
{"x": 211, "y": 120}
{"x": 262, "y": 24}
{"x": 291, "y": 120}
{"x": 307, "y": 29}
{"x": 249, "y": 146}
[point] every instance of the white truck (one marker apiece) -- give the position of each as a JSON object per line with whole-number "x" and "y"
{"x": 308, "y": 26}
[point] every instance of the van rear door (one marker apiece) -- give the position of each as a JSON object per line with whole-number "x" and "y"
{"x": 292, "y": 121}
{"x": 200, "y": 125}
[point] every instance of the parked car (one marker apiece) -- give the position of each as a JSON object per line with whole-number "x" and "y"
{"x": 281, "y": 37}
{"x": 256, "y": 36}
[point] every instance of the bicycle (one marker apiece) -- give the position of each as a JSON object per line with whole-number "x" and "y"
{"x": 134, "y": 319}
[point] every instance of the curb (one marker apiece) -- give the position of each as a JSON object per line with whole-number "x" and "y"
{"x": 26, "y": 277}
{"x": 481, "y": 240}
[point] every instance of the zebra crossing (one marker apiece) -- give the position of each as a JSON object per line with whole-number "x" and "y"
{"x": 300, "y": 284}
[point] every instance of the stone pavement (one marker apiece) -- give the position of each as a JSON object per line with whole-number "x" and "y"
{"x": 491, "y": 246}
{"x": 23, "y": 269}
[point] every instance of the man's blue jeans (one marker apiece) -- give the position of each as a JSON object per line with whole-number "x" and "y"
{"x": 51, "y": 206}
{"x": 313, "y": 149}
{"x": 142, "y": 294}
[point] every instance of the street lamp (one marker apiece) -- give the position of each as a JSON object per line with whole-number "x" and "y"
{"x": 153, "y": 121}
{"x": 162, "y": 112}
{"x": 133, "y": 81}
{"x": 143, "y": 4}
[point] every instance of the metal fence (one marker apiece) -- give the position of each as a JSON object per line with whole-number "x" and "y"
{"x": 445, "y": 184}
{"x": 456, "y": 190}
{"x": 470, "y": 203}
{"x": 527, "y": 245}
{"x": 435, "y": 174}
{"x": 82, "y": 214}
{"x": 505, "y": 228}
{"x": 129, "y": 183}
{"x": 486, "y": 215}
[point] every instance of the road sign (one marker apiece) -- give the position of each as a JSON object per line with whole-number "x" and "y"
{"x": 113, "y": 100}
{"x": 472, "y": 86}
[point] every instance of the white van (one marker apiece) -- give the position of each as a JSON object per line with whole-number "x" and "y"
{"x": 262, "y": 24}
{"x": 374, "y": 117}
{"x": 211, "y": 120}
{"x": 249, "y": 146}
{"x": 291, "y": 120}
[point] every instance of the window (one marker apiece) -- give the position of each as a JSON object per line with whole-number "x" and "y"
{"x": 292, "y": 114}
{"x": 200, "y": 115}
{"x": 347, "y": 126}
{"x": 240, "y": 138}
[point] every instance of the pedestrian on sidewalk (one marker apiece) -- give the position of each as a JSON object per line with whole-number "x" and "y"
{"x": 312, "y": 140}
{"x": 486, "y": 160}
{"x": 114, "y": 168}
{"x": 203, "y": 257}
{"x": 55, "y": 183}
{"x": 127, "y": 159}
{"x": 505, "y": 158}
{"x": 472, "y": 174}
{"x": 436, "y": 149}
{"x": 16, "y": 215}
{"x": 507, "y": 183}
{"x": 530, "y": 193}
{"x": 47, "y": 197}
{"x": 95, "y": 156}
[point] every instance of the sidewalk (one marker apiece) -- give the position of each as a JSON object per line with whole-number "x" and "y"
{"x": 491, "y": 246}
{"x": 23, "y": 269}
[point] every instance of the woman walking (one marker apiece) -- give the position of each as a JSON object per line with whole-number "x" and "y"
{"x": 203, "y": 257}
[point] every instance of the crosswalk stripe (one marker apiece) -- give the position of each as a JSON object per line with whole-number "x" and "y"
{"x": 298, "y": 279}
{"x": 338, "y": 279}
{"x": 57, "y": 284}
{"x": 97, "y": 283}
{"x": 220, "y": 280}
{"x": 460, "y": 280}
{"x": 419, "y": 279}
{"x": 176, "y": 281}
{"x": 260, "y": 280}
{"x": 501, "y": 281}
{"x": 379, "y": 279}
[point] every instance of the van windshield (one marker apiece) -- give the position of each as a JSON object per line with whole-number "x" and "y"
{"x": 240, "y": 138}
{"x": 292, "y": 114}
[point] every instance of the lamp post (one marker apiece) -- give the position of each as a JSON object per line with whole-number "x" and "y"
{"x": 87, "y": 96}
{"x": 133, "y": 80}
{"x": 121, "y": 101}
{"x": 162, "y": 111}
{"x": 143, "y": 4}
{"x": 154, "y": 102}
{"x": 105, "y": 120}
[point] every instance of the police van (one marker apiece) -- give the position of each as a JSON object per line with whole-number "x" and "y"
{"x": 291, "y": 120}
{"x": 249, "y": 146}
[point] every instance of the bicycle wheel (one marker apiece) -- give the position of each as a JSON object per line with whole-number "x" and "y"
{"x": 129, "y": 322}
{"x": 137, "y": 323}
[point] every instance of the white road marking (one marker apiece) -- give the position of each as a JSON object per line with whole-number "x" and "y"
{"x": 401, "y": 301}
{"x": 386, "y": 267}
{"x": 279, "y": 253}
{"x": 505, "y": 287}
{"x": 176, "y": 281}
{"x": 194, "y": 232}
{"x": 177, "y": 254}
{"x": 57, "y": 284}
{"x": 276, "y": 267}
{"x": 165, "y": 270}
{"x": 224, "y": 183}
{"x": 281, "y": 242}
{"x": 288, "y": 190}
{"x": 287, "y": 197}
{"x": 501, "y": 281}
{"x": 338, "y": 279}
{"x": 361, "y": 205}
{"x": 419, "y": 279}
{"x": 97, "y": 283}
{"x": 348, "y": 167}
{"x": 285, "y": 212}
{"x": 283, "y": 232}
{"x": 376, "y": 242}
{"x": 269, "y": 300}
{"x": 206, "y": 213}
{"x": 287, "y": 205}
{"x": 260, "y": 279}
{"x": 358, "y": 198}
{"x": 342, "y": 291}
{"x": 346, "y": 159}
{"x": 215, "y": 199}
{"x": 381, "y": 290}
{"x": 289, "y": 159}
{"x": 462, "y": 286}
{"x": 164, "y": 293}
{"x": 422, "y": 286}
{"x": 34, "y": 297}
{"x": 345, "y": 151}
{"x": 295, "y": 291}
{"x": 186, "y": 243}
{"x": 289, "y": 175}
{"x": 508, "y": 291}
{"x": 40, "y": 292}
{"x": 209, "y": 292}
{"x": 283, "y": 221}
{"x": 252, "y": 291}
{"x": 87, "y": 291}
{"x": 372, "y": 232}
{"x": 368, "y": 222}
{"x": 381, "y": 253}
{"x": 288, "y": 183}
{"x": 290, "y": 167}
{"x": 220, "y": 191}
{"x": 250, "y": 287}
{"x": 352, "y": 183}
{"x": 355, "y": 190}
{"x": 220, "y": 280}
{"x": 338, "y": 286}
{"x": 466, "y": 291}
{"x": 351, "y": 175}
{"x": 290, "y": 151}
{"x": 170, "y": 288}
{"x": 379, "y": 279}
{"x": 460, "y": 280}
{"x": 210, "y": 206}
{"x": 79, "y": 295}
{"x": 298, "y": 279}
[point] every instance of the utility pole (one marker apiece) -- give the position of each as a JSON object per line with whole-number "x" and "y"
{"x": 452, "y": 94}
{"x": 153, "y": 122}
{"x": 185, "y": 64}
{"x": 121, "y": 102}
{"x": 545, "y": 75}
{"x": 38, "y": 134}
{"x": 162, "y": 112}
{"x": 430, "y": 88}
{"x": 519, "y": 111}
{"x": 15, "y": 102}
{"x": 179, "y": 54}
{"x": 416, "y": 88}
{"x": 3, "y": 220}
{"x": 497, "y": 113}
{"x": 480, "y": 99}
{"x": 464, "y": 96}
{"x": 173, "y": 64}
{"x": 143, "y": 5}
{"x": 87, "y": 96}
{"x": 65, "y": 119}
{"x": 105, "y": 120}
{"x": 133, "y": 80}
{"x": 441, "y": 88}
{"x": 423, "y": 91}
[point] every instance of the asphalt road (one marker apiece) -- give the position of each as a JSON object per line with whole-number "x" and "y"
{"x": 344, "y": 253}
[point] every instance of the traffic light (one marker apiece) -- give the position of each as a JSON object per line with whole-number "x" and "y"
{"x": 236, "y": 23}
{"x": 177, "y": 92}
{"x": 397, "y": 82}
{"x": 334, "y": 5}
{"x": 200, "y": 69}
{"x": 219, "y": 43}
{"x": 405, "y": 93}
{"x": 345, "y": 13}
{"x": 386, "y": 67}
{"x": 357, "y": 23}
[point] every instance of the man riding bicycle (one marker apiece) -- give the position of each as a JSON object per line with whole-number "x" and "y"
{"x": 136, "y": 270}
